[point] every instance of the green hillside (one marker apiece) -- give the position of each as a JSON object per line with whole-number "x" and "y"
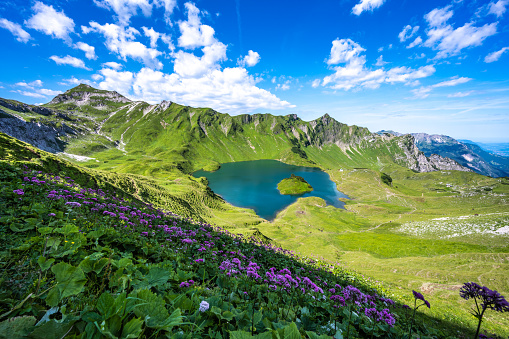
{"x": 430, "y": 231}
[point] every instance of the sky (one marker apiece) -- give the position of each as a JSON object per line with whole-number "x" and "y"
{"x": 438, "y": 67}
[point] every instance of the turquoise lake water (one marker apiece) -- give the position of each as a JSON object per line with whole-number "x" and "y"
{"x": 253, "y": 184}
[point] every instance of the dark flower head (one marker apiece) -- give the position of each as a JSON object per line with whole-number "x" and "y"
{"x": 489, "y": 298}
{"x": 419, "y": 296}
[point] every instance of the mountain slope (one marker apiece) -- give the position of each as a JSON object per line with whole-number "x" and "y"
{"x": 104, "y": 124}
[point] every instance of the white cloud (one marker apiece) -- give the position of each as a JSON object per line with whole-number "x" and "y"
{"x": 452, "y": 41}
{"x": 189, "y": 65}
{"x": 416, "y": 42}
{"x": 492, "y": 57}
{"x": 69, "y": 60}
{"x": 449, "y": 41}
{"x": 316, "y": 83}
{"x": 74, "y": 81}
{"x": 498, "y": 8}
{"x": 439, "y": 16}
{"x": 424, "y": 92}
{"x": 89, "y": 50}
{"x": 380, "y": 61}
{"x": 34, "y": 90}
{"x": 16, "y": 30}
{"x": 47, "y": 20}
{"x": 366, "y": 5}
{"x": 36, "y": 83}
{"x": 229, "y": 90}
{"x": 169, "y": 6}
{"x": 354, "y": 74}
{"x": 198, "y": 79}
{"x": 125, "y": 9}
{"x": 120, "y": 40}
{"x": 251, "y": 59}
{"x": 112, "y": 64}
{"x": 193, "y": 33}
{"x": 460, "y": 94}
{"x": 116, "y": 81}
{"x": 407, "y": 33}
{"x": 155, "y": 36}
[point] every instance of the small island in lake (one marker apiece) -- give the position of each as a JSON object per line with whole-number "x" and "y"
{"x": 294, "y": 185}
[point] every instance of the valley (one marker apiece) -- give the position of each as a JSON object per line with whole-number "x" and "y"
{"x": 437, "y": 226}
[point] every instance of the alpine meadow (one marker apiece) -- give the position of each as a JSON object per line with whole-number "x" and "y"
{"x": 114, "y": 222}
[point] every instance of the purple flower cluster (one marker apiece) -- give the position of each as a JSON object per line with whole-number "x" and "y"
{"x": 489, "y": 298}
{"x": 419, "y": 296}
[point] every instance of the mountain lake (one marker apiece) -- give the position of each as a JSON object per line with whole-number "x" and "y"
{"x": 253, "y": 184}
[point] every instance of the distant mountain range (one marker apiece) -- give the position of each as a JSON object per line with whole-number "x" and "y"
{"x": 467, "y": 153}
{"x": 89, "y": 122}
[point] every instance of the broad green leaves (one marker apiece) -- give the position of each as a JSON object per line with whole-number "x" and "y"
{"x": 70, "y": 281}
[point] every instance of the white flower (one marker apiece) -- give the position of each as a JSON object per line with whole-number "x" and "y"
{"x": 204, "y": 306}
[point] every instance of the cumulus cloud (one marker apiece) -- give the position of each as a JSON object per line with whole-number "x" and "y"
{"x": 121, "y": 40}
{"x": 155, "y": 36}
{"x": 366, "y": 5}
{"x": 47, "y": 20}
{"x": 251, "y": 59}
{"x": 125, "y": 9}
{"x": 198, "y": 77}
{"x": 34, "y": 89}
{"x": 492, "y": 57}
{"x": 354, "y": 74}
{"x": 439, "y": 16}
{"x": 424, "y": 92}
{"x": 69, "y": 60}
{"x": 16, "y": 30}
{"x": 35, "y": 83}
{"x": 407, "y": 33}
{"x": 193, "y": 33}
{"x": 229, "y": 90}
{"x": 189, "y": 65}
{"x": 416, "y": 42}
{"x": 498, "y": 8}
{"x": 449, "y": 41}
{"x": 89, "y": 50}
{"x": 380, "y": 61}
{"x": 112, "y": 64}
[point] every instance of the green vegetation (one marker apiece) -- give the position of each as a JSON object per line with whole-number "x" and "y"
{"x": 294, "y": 185}
{"x": 429, "y": 232}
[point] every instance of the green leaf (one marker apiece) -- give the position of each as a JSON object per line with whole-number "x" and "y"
{"x": 240, "y": 335}
{"x": 46, "y": 316}
{"x": 132, "y": 329}
{"x": 292, "y": 332}
{"x": 45, "y": 230}
{"x": 313, "y": 335}
{"x": 45, "y": 263}
{"x": 16, "y": 328}
{"x": 94, "y": 263}
{"x": 67, "y": 229}
{"x": 152, "y": 308}
{"x": 71, "y": 280}
{"x": 156, "y": 277}
{"x": 51, "y": 329}
{"x": 257, "y": 317}
{"x": 95, "y": 234}
{"x": 227, "y": 315}
{"x": 106, "y": 305}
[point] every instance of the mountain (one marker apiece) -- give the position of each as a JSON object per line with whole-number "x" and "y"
{"x": 499, "y": 148}
{"x": 88, "y": 122}
{"x": 464, "y": 152}
{"x": 469, "y": 155}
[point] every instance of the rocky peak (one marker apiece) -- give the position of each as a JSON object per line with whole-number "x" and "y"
{"x": 86, "y": 95}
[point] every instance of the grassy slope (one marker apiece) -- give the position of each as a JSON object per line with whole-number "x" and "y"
{"x": 166, "y": 145}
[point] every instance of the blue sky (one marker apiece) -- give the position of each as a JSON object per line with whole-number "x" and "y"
{"x": 438, "y": 67}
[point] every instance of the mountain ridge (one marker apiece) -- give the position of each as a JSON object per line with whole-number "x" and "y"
{"x": 96, "y": 121}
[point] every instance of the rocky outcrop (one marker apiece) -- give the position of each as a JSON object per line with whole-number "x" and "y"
{"x": 45, "y": 137}
{"x": 86, "y": 95}
{"x": 416, "y": 160}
